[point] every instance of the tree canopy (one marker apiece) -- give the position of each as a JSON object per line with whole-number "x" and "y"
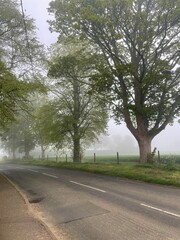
{"x": 13, "y": 95}
{"x": 139, "y": 43}
{"x": 19, "y": 49}
{"x": 20, "y": 137}
{"x": 79, "y": 115}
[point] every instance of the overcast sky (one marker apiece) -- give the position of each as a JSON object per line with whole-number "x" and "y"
{"x": 167, "y": 141}
{"x": 37, "y": 9}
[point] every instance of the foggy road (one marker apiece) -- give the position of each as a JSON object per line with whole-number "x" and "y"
{"x": 85, "y": 206}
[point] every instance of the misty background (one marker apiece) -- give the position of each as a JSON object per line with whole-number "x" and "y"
{"x": 118, "y": 137}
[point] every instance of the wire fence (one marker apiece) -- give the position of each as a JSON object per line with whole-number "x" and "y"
{"x": 114, "y": 159}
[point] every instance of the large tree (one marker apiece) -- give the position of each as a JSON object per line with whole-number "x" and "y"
{"x": 139, "y": 42}
{"x": 79, "y": 116}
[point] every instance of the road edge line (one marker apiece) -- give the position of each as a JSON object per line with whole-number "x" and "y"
{"x": 30, "y": 210}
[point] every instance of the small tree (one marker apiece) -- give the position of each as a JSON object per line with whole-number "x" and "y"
{"x": 41, "y": 127}
{"x": 20, "y": 137}
{"x": 26, "y": 138}
{"x": 10, "y": 140}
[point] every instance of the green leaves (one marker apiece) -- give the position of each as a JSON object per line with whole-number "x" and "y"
{"x": 19, "y": 138}
{"x": 137, "y": 44}
{"x": 138, "y": 40}
{"x": 78, "y": 116}
{"x": 19, "y": 47}
{"x": 14, "y": 95}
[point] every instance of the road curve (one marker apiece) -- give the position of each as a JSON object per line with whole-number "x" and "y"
{"x": 85, "y": 206}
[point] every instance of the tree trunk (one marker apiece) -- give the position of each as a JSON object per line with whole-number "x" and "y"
{"x": 42, "y": 152}
{"x": 27, "y": 154}
{"x": 14, "y": 154}
{"x": 144, "y": 149}
{"x": 76, "y": 150}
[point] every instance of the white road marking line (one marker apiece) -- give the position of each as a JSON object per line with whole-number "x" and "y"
{"x": 161, "y": 210}
{"x": 32, "y": 170}
{"x": 49, "y": 175}
{"x": 97, "y": 189}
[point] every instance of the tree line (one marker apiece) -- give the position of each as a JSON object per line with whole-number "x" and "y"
{"x": 118, "y": 58}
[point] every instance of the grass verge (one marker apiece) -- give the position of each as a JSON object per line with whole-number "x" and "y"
{"x": 147, "y": 173}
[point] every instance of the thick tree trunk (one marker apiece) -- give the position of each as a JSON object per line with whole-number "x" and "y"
{"x": 76, "y": 150}
{"x": 14, "y": 154}
{"x": 27, "y": 154}
{"x": 144, "y": 149}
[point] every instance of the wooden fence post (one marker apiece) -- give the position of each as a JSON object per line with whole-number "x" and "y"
{"x": 66, "y": 158}
{"x": 117, "y": 158}
{"x": 159, "y": 158}
{"x": 94, "y": 157}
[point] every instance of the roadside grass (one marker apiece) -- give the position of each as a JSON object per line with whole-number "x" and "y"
{"x": 111, "y": 159}
{"x": 159, "y": 174}
{"x": 97, "y": 159}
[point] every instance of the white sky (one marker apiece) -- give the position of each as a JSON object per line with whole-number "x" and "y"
{"x": 167, "y": 141}
{"x": 37, "y": 9}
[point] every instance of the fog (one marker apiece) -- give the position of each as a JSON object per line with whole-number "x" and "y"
{"x": 38, "y": 11}
{"x": 118, "y": 137}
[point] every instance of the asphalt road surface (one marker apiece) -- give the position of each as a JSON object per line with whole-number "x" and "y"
{"x": 84, "y": 206}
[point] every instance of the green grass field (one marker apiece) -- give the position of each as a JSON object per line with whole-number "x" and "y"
{"x": 165, "y": 173}
{"x": 113, "y": 159}
{"x": 98, "y": 159}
